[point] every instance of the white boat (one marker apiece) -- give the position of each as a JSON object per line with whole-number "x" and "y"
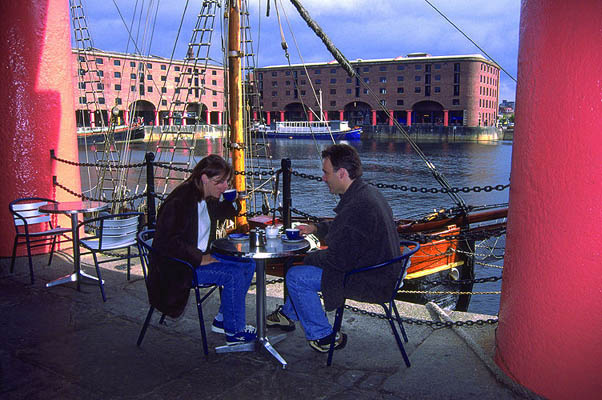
{"x": 321, "y": 130}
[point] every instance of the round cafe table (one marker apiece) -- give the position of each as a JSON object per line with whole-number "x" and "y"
{"x": 274, "y": 248}
{"x": 73, "y": 209}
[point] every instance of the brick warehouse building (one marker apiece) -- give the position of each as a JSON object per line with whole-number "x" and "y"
{"x": 416, "y": 89}
{"x": 151, "y": 88}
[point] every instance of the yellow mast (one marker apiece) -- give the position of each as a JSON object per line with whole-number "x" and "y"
{"x": 235, "y": 104}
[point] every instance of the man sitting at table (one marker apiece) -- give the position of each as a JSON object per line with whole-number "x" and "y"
{"x": 186, "y": 226}
{"x": 362, "y": 233}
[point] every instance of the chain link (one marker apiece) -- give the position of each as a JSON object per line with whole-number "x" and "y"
{"x": 80, "y": 164}
{"x": 84, "y": 197}
{"x": 444, "y": 292}
{"x": 477, "y": 236}
{"x": 489, "y": 265}
{"x": 414, "y": 321}
{"x": 414, "y": 189}
{"x": 306, "y": 215}
{"x": 464, "y": 281}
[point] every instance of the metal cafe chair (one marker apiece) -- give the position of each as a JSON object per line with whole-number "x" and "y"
{"x": 34, "y": 228}
{"x": 109, "y": 233}
{"x": 145, "y": 241}
{"x": 388, "y": 306}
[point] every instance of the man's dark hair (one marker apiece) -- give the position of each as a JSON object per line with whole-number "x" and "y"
{"x": 344, "y": 156}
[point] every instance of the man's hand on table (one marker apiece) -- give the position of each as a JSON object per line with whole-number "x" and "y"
{"x": 208, "y": 259}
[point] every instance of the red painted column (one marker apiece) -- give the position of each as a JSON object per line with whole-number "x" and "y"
{"x": 92, "y": 119}
{"x": 37, "y": 107}
{"x": 219, "y": 117}
{"x": 310, "y": 116}
{"x": 208, "y": 117}
{"x": 445, "y": 117}
{"x": 549, "y": 337}
{"x": 281, "y": 115}
{"x": 156, "y": 118}
{"x": 409, "y": 117}
{"x": 325, "y": 115}
{"x": 267, "y": 118}
{"x": 341, "y": 115}
{"x": 254, "y": 116}
{"x": 391, "y": 117}
{"x": 126, "y": 117}
{"x": 170, "y": 118}
{"x": 373, "y": 117}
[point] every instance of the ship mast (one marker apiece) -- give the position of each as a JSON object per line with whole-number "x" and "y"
{"x": 235, "y": 104}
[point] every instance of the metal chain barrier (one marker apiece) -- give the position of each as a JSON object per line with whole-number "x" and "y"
{"x": 489, "y": 265}
{"x": 306, "y": 215}
{"x": 444, "y": 292}
{"x": 414, "y": 189}
{"x": 414, "y": 321}
{"x": 477, "y": 236}
{"x": 464, "y": 281}
{"x": 80, "y": 164}
{"x": 84, "y": 197}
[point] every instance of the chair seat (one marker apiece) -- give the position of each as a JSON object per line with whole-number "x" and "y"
{"x": 93, "y": 244}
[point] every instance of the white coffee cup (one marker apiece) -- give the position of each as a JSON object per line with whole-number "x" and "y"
{"x": 272, "y": 231}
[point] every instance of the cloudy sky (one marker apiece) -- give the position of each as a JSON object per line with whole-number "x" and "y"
{"x": 363, "y": 29}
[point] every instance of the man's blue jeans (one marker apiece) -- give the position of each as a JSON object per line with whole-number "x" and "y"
{"x": 303, "y": 302}
{"x": 235, "y": 277}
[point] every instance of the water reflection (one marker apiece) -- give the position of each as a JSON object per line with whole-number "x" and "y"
{"x": 384, "y": 161}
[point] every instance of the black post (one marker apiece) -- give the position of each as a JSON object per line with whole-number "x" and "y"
{"x": 150, "y": 190}
{"x": 286, "y": 192}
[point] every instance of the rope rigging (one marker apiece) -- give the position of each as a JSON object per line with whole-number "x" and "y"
{"x": 353, "y": 74}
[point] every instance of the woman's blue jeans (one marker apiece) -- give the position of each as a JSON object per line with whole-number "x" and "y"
{"x": 235, "y": 277}
{"x": 303, "y": 302}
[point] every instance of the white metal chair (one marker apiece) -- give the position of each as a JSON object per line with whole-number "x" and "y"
{"x": 111, "y": 232}
{"x": 33, "y": 228}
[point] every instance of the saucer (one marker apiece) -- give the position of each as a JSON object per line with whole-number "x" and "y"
{"x": 238, "y": 237}
{"x": 287, "y": 240}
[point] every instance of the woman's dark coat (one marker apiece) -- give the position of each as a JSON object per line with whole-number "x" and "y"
{"x": 176, "y": 234}
{"x": 363, "y": 233}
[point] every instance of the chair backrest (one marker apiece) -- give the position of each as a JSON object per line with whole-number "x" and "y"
{"x": 116, "y": 230}
{"x": 404, "y": 258}
{"x": 26, "y": 211}
{"x": 113, "y": 230}
{"x": 145, "y": 243}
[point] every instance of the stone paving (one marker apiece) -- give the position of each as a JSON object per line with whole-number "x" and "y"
{"x": 64, "y": 344}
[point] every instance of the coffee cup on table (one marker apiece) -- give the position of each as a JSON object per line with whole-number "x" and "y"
{"x": 229, "y": 195}
{"x": 293, "y": 234}
{"x": 272, "y": 231}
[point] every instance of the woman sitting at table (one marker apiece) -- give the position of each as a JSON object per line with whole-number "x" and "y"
{"x": 186, "y": 226}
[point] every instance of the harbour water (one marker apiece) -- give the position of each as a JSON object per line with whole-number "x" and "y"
{"x": 392, "y": 161}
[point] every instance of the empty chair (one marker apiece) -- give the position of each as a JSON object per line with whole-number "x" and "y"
{"x": 145, "y": 240}
{"x": 109, "y": 233}
{"x": 34, "y": 228}
{"x": 389, "y": 306}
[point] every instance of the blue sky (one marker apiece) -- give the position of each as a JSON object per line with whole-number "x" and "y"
{"x": 363, "y": 29}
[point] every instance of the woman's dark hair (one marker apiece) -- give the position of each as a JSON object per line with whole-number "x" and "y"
{"x": 212, "y": 166}
{"x": 344, "y": 156}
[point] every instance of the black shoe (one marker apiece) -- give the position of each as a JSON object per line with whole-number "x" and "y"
{"x": 323, "y": 345}
{"x": 277, "y": 319}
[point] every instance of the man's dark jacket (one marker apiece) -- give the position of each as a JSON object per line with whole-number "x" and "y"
{"x": 363, "y": 233}
{"x": 176, "y": 235}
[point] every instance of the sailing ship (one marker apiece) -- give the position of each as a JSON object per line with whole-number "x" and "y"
{"x": 443, "y": 269}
